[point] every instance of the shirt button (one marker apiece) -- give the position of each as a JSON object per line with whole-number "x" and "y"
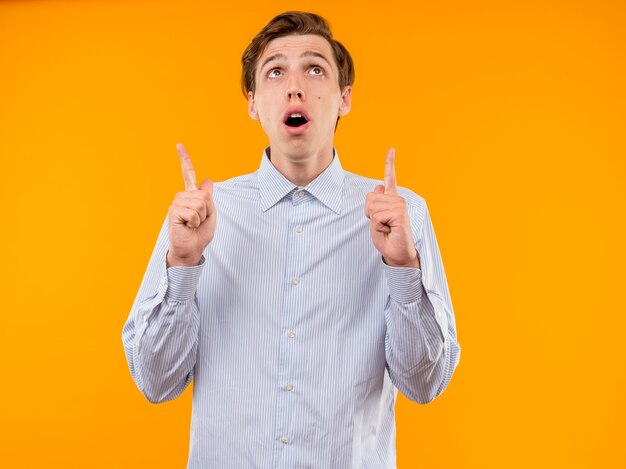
{"x": 439, "y": 314}
{"x": 298, "y": 229}
{"x": 300, "y": 193}
{"x": 291, "y": 334}
{"x": 284, "y": 439}
{"x": 164, "y": 281}
{"x": 289, "y": 387}
{"x": 295, "y": 281}
{"x": 145, "y": 318}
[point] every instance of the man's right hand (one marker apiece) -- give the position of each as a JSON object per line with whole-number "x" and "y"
{"x": 191, "y": 217}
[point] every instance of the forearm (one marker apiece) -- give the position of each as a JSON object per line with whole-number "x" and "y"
{"x": 421, "y": 347}
{"x": 162, "y": 347}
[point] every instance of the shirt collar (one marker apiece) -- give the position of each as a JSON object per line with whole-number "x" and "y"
{"x": 327, "y": 187}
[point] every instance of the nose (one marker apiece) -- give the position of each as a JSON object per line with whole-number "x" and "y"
{"x": 295, "y": 91}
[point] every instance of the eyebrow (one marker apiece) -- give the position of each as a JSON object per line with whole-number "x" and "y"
{"x": 308, "y": 53}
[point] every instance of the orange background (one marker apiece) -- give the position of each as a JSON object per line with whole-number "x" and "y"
{"x": 508, "y": 117}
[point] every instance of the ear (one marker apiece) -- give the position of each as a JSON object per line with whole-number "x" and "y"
{"x": 252, "y": 112}
{"x": 346, "y": 101}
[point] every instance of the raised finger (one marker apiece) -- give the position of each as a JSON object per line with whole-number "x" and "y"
{"x": 189, "y": 175}
{"x": 390, "y": 173}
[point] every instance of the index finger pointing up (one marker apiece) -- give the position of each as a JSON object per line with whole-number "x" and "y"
{"x": 189, "y": 175}
{"x": 390, "y": 173}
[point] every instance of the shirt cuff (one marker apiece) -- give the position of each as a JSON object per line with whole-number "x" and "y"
{"x": 180, "y": 283}
{"x": 405, "y": 283}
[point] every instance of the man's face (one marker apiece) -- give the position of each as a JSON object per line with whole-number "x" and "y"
{"x": 297, "y": 75}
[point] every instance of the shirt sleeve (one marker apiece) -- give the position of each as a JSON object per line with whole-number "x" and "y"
{"x": 160, "y": 336}
{"x": 421, "y": 344}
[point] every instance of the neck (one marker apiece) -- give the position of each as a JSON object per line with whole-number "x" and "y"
{"x": 301, "y": 169}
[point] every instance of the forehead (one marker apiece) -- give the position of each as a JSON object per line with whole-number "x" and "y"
{"x": 294, "y": 45}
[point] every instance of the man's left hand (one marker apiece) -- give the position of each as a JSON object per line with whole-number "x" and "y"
{"x": 390, "y": 226}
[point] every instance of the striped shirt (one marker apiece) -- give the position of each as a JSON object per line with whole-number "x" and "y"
{"x": 296, "y": 334}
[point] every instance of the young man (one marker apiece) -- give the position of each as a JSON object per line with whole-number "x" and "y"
{"x": 298, "y": 298}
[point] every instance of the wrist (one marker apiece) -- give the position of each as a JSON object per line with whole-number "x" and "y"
{"x": 176, "y": 261}
{"x": 413, "y": 263}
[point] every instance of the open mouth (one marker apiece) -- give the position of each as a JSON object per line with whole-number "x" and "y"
{"x": 295, "y": 119}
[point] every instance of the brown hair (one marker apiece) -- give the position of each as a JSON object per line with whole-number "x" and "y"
{"x": 298, "y": 23}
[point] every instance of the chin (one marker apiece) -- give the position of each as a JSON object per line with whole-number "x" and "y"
{"x": 298, "y": 148}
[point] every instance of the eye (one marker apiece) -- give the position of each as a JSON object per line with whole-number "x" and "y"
{"x": 319, "y": 71}
{"x": 273, "y": 73}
